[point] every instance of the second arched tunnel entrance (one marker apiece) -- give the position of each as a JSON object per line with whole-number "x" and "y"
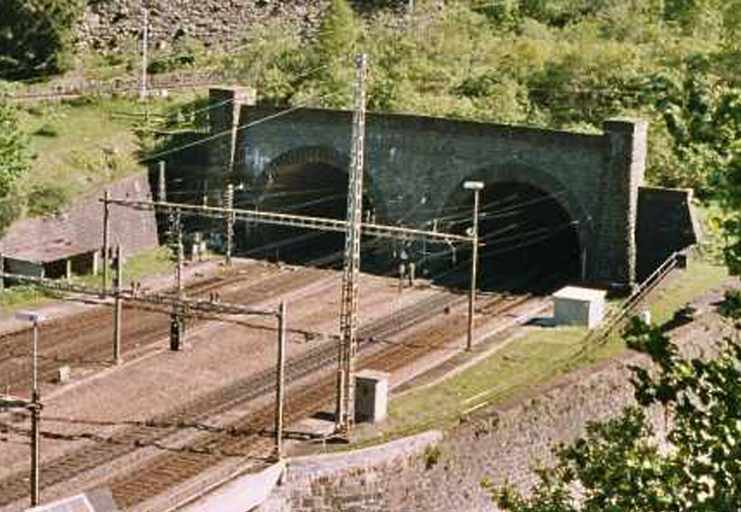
{"x": 527, "y": 239}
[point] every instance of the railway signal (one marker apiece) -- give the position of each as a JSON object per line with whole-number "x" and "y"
{"x": 176, "y": 331}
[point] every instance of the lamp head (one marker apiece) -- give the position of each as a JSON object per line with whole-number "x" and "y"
{"x": 473, "y": 185}
{"x": 30, "y": 316}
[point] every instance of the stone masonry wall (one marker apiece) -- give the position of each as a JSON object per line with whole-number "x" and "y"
{"x": 444, "y": 475}
{"x": 415, "y": 167}
{"x": 116, "y": 24}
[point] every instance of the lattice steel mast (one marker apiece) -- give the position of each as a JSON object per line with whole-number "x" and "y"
{"x": 345, "y": 417}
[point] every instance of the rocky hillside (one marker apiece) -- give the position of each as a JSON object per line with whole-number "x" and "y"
{"x": 115, "y": 25}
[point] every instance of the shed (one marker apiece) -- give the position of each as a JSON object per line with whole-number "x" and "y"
{"x": 574, "y": 305}
{"x": 70, "y": 241}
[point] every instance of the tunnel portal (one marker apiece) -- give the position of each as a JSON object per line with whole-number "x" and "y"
{"x": 315, "y": 189}
{"x": 527, "y": 239}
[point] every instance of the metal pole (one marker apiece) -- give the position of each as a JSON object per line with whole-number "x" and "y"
{"x": 179, "y": 276}
{"x": 34, "y": 355}
{"x": 345, "y": 417}
{"x": 474, "y": 269}
{"x": 145, "y": 42}
{"x": 279, "y": 385}
{"x": 584, "y": 264}
{"x": 162, "y": 192}
{"x": 117, "y": 309}
{"x": 106, "y": 222}
{"x": 2, "y": 287}
{"x": 35, "y": 447}
{"x": 229, "y": 222}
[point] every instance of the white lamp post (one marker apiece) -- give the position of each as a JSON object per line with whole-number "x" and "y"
{"x": 476, "y": 186}
{"x": 35, "y": 404}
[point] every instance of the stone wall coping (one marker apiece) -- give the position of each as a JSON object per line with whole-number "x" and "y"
{"x": 667, "y": 192}
{"x": 391, "y": 450}
{"x": 434, "y": 124}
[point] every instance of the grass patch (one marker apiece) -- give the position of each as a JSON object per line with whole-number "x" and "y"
{"x": 532, "y": 361}
{"x": 699, "y": 278}
{"x": 153, "y": 262}
{"x": 80, "y": 145}
{"x": 78, "y": 148}
{"x": 22, "y": 297}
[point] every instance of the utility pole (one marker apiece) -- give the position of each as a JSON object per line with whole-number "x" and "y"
{"x": 33, "y": 404}
{"x": 229, "y": 199}
{"x": 280, "y": 381}
{"x": 35, "y": 408}
{"x": 117, "y": 308}
{"x": 162, "y": 191}
{"x": 2, "y": 288}
{"x": 179, "y": 248}
{"x": 173, "y": 228}
{"x": 349, "y": 306}
{"x": 106, "y": 222}
{"x": 476, "y": 186}
{"x": 145, "y": 43}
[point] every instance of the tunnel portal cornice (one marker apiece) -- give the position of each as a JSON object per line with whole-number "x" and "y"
{"x": 405, "y": 122}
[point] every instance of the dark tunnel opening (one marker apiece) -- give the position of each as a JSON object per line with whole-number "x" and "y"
{"x": 310, "y": 189}
{"x": 528, "y": 241}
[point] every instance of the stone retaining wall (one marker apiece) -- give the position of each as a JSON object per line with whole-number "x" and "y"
{"x": 429, "y": 473}
{"x": 116, "y": 24}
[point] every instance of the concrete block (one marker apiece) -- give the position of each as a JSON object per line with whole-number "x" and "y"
{"x": 64, "y": 374}
{"x": 578, "y": 306}
{"x": 371, "y": 396}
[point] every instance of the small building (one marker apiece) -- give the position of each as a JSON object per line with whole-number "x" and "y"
{"x": 578, "y": 306}
{"x": 70, "y": 241}
{"x": 371, "y": 398}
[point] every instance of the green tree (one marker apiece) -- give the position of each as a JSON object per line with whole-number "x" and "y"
{"x": 35, "y": 36}
{"x": 619, "y": 466}
{"x": 332, "y": 52}
{"x": 14, "y": 161}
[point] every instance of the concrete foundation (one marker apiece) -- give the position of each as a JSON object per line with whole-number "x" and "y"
{"x": 579, "y": 306}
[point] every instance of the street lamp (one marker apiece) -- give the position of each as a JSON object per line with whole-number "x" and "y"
{"x": 476, "y": 186}
{"x": 35, "y": 404}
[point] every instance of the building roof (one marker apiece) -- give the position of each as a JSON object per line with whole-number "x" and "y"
{"x": 579, "y": 293}
{"x": 78, "y": 229}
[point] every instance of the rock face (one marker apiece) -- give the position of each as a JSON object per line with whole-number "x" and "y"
{"x": 115, "y": 25}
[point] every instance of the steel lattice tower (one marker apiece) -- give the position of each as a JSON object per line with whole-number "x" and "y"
{"x": 349, "y": 306}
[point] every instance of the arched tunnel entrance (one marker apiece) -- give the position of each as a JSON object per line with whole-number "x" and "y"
{"x": 314, "y": 189}
{"x": 528, "y": 241}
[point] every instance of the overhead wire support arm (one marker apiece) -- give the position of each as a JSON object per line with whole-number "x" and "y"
{"x": 224, "y": 308}
{"x": 286, "y": 219}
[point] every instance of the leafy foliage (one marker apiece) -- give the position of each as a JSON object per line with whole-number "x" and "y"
{"x": 14, "y": 161}
{"x": 35, "y": 36}
{"x": 619, "y": 465}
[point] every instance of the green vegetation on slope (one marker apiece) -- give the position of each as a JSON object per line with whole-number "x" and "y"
{"x": 529, "y": 363}
{"x": 77, "y": 148}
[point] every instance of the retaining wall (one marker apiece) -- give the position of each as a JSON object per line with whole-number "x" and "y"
{"x": 445, "y": 473}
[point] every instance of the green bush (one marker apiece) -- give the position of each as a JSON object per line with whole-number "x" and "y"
{"x": 46, "y": 199}
{"x": 36, "y": 36}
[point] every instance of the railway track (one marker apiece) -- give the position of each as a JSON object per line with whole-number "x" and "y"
{"x": 244, "y": 438}
{"x": 86, "y": 339}
{"x": 167, "y": 471}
